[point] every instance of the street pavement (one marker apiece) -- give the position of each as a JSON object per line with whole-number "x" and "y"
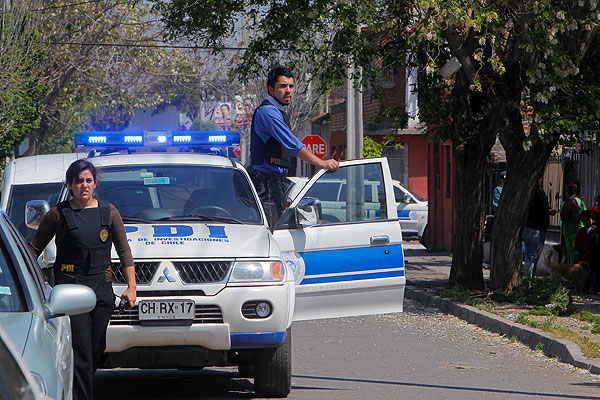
{"x": 420, "y": 353}
{"x": 427, "y": 272}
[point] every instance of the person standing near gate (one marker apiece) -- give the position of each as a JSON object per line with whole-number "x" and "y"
{"x": 570, "y": 216}
{"x": 534, "y": 233}
{"x": 272, "y": 142}
{"x": 85, "y": 230}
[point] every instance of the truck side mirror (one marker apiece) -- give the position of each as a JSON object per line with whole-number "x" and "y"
{"x": 406, "y": 198}
{"x": 308, "y": 212}
{"x": 34, "y": 212}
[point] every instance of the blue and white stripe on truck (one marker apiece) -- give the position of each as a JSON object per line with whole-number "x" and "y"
{"x": 338, "y": 265}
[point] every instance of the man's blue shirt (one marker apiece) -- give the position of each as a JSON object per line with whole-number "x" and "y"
{"x": 268, "y": 123}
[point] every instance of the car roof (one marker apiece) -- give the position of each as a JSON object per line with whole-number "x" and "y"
{"x": 164, "y": 158}
{"x": 40, "y": 169}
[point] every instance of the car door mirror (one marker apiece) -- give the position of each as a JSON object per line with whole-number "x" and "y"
{"x": 34, "y": 212}
{"x": 308, "y": 212}
{"x": 406, "y": 198}
{"x": 68, "y": 299}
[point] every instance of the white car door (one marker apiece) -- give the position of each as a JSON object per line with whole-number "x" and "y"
{"x": 353, "y": 266}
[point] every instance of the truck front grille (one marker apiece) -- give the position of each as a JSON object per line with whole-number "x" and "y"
{"x": 144, "y": 271}
{"x": 204, "y": 314}
{"x": 202, "y": 271}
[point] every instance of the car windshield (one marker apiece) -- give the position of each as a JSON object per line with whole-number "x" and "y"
{"x": 21, "y": 194}
{"x": 416, "y": 196}
{"x": 147, "y": 193}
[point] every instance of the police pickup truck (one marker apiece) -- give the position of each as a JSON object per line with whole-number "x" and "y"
{"x": 216, "y": 285}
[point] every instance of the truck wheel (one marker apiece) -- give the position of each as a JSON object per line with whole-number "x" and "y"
{"x": 273, "y": 369}
{"x": 246, "y": 370}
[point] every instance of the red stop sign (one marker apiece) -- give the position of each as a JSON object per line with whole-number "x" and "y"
{"x": 316, "y": 145}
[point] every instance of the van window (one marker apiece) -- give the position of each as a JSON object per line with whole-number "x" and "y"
{"x": 351, "y": 194}
{"x": 21, "y": 194}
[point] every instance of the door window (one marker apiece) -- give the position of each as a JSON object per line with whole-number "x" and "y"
{"x": 353, "y": 193}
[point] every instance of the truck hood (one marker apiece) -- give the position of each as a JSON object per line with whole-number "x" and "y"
{"x": 197, "y": 240}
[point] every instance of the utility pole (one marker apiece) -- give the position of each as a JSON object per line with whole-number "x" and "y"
{"x": 354, "y": 117}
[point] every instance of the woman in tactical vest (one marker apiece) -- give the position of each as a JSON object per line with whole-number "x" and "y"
{"x": 85, "y": 229}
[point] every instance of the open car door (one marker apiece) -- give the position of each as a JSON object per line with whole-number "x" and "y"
{"x": 350, "y": 263}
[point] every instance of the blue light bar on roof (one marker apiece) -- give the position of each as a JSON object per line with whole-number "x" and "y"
{"x": 206, "y": 138}
{"x": 156, "y": 139}
{"x": 109, "y": 139}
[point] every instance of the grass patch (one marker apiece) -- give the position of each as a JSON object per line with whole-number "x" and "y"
{"x": 589, "y": 349}
{"x": 462, "y": 295}
{"x": 540, "y": 346}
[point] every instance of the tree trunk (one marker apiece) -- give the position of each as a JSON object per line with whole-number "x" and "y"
{"x": 469, "y": 210}
{"x": 524, "y": 170}
{"x": 474, "y": 133}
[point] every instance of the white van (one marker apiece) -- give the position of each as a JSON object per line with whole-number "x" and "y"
{"x": 34, "y": 177}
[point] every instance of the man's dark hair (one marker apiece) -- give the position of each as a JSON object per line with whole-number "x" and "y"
{"x": 573, "y": 189}
{"x": 276, "y": 72}
{"x": 226, "y": 106}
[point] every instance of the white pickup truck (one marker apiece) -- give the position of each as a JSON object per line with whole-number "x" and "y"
{"x": 216, "y": 285}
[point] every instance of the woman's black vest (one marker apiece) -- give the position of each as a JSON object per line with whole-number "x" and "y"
{"x": 83, "y": 254}
{"x": 272, "y": 152}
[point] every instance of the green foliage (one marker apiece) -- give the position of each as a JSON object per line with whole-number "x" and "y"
{"x": 590, "y": 317}
{"x": 372, "y": 148}
{"x": 463, "y": 295}
{"x": 21, "y": 87}
{"x": 201, "y": 125}
{"x": 552, "y": 296}
{"x": 540, "y": 346}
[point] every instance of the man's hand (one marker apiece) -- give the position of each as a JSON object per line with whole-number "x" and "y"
{"x": 331, "y": 164}
{"x": 307, "y": 156}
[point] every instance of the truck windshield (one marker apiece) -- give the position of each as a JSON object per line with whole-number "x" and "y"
{"x": 170, "y": 192}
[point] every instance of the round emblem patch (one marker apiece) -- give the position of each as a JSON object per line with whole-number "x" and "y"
{"x": 103, "y": 235}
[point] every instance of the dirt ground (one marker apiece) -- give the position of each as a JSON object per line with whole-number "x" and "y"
{"x": 589, "y": 303}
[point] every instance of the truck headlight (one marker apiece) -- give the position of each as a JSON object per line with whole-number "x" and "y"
{"x": 257, "y": 271}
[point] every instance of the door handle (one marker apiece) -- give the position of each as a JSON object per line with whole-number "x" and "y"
{"x": 380, "y": 239}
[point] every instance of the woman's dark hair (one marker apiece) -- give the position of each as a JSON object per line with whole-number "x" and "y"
{"x": 276, "y": 72}
{"x": 77, "y": 167}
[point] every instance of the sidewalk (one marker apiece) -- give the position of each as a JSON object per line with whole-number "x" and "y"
{"x": 426, "y": 273}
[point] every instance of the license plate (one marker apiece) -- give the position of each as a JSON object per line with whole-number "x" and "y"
{"x": 166, "y": 309}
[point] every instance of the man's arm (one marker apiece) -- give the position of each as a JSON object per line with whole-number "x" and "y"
{"x": 309, "y": 157}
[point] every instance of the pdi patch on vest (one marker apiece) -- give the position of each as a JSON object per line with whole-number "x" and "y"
{"x": 67, "y": 268}
{"x": 103, "y": 235}
{"x": 275, "y": 161}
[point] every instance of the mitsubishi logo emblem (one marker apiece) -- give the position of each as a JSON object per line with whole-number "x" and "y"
{"x": 166, "y": 276}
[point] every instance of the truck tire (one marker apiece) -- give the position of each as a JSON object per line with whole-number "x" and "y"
{"x": 246, "y": 370}
{"x": 273, "y": 369}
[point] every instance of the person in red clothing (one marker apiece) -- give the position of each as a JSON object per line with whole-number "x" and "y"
{"x": 584, "y": 249}
{"x": 596, "y": 210}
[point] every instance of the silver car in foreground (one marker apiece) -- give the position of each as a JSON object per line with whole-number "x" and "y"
{"x": 35, "y": 316}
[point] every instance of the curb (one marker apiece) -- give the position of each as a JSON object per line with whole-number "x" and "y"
{"x": 566, "y": 351}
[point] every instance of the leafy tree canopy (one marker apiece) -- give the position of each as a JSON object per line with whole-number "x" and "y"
{"x": 531, "y": 61}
